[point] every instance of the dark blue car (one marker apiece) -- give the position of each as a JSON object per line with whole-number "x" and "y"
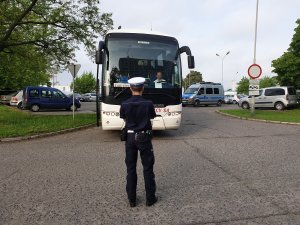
{"x": 36, "y": 98}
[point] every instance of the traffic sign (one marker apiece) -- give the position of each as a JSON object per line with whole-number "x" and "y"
{"x": 74, "y": 68}
{"x": 254, "y": 71}
{"x": 253, "y": 87}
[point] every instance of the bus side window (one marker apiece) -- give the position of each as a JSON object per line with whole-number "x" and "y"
{"x": 201, "y": 91}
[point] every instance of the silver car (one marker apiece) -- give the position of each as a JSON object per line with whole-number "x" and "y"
{"x": 89, "y": 97}
{"x": 272, "y": 97}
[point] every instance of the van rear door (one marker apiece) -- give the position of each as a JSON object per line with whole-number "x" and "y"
{"x": 292, "y": 96}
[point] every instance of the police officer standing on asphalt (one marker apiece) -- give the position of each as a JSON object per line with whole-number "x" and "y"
{"x": 137, "y": 113}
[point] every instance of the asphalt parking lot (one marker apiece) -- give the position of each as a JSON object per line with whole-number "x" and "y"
{"x": 214, "y": 170}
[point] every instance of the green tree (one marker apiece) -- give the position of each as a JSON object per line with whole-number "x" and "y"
{"x": 48, "y": 32}
{"x": 16, "y": 71}
{"x": 192, "y": 78}
{"x": 243, "y": 86}
{"x": 287, "y": 66}
{"x": 268, "y": 82}
{"x": 85, "y": 83}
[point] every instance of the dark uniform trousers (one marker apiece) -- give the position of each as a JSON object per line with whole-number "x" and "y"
{"x": 147, "y": 158}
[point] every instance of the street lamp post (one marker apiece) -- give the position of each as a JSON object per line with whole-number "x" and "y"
{"x": 222, "y": 57}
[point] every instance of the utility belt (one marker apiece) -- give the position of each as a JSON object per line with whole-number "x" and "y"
{"x": 139, "y": 136}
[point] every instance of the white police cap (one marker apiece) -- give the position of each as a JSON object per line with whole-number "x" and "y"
{"x": 137, "y": 81}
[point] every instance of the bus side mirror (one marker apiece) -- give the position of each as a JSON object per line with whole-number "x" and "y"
{"x": 191, "y": 62}
{"x": 99, "y": 57}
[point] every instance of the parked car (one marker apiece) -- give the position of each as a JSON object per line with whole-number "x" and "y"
{"x": 203, "y": 93}
{"x": 77, "y": 96}
{"x": 233, "y": 96}
{"x": 16, "y": 100}
{"x": 36, "y": 98}
{"x": 227, "y": 100}
{"x": 272, "y": 97}
{"x": 89, "y": 97}
{"x": 6, "y": 95}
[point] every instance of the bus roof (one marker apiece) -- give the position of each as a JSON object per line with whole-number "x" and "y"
{"x": 136, "y": 31}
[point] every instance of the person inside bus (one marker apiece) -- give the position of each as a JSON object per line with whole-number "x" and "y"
{"x": 159, "y": 78}
{"x": 158, "y": 83}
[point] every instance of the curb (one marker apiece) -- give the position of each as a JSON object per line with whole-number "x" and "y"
{"x": 258, "y": 120}
{"x": 14, "y": 139}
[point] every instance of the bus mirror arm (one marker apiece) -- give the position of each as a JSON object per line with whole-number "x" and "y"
{"x": 191, "y": 61}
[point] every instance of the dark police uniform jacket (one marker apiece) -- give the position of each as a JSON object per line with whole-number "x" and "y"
{"x": 137, "y": 113}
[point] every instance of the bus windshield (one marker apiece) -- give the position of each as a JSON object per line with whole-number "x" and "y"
{"x": 154, "y": 59}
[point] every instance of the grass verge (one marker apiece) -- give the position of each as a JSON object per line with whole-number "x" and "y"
{"x": 16, "y": 123}
{"x": 291, "y": 115}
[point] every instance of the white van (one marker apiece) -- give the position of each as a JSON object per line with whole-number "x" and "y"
{"x": 274, "y": 97}
{"x": 204, "y": 93}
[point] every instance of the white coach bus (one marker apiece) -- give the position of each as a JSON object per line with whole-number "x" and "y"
{"x": 125, "y": 54}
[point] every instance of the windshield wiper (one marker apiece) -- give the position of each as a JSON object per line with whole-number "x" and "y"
{"x": 121, "y": 92}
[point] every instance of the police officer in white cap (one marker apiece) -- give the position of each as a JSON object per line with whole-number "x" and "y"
{"x": 137, "y": 113}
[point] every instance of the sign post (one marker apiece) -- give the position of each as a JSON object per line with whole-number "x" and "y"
{"x": 254, "y": 68}
{"x": 74, "y": 68}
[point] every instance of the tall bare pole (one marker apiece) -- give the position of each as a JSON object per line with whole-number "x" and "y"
{"x": 254, "y": 55}
{"x": 255, "y": 36}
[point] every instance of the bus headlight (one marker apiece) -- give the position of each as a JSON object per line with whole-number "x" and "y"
{"x": 109, "y": 113}
{"x": 174, "y": 113}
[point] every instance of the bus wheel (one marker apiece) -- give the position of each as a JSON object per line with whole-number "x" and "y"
{"x": 219, "y": 103}
{"x": 197, "y": 103}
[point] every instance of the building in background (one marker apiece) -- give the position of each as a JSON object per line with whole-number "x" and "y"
{"x": 65, "y": 89}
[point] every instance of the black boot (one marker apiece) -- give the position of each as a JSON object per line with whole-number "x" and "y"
{"x": 151, "y": 201}
{"x": 132, "y": 203}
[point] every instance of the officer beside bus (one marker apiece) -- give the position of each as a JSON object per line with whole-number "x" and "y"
{"x": 137, "y": 113}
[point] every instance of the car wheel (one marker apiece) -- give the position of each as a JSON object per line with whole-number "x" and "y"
{"x": 219, "y": 103}
{"x": 19, "y": 105}
{"x": 279, "y": 106}
{"x": 35, "y": 108}
{"x": 234, "y": 101}
{"x": 75, "y": 108}
{"x": 197, "y": 103}
{"x": 245, "y": 105}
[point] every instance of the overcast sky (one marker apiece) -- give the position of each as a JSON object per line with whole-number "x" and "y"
{"x": 209, "y": 27}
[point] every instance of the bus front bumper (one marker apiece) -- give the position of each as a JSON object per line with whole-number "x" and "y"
{"x": 159, "y": 123}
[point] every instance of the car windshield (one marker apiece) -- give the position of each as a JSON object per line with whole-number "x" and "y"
{"x": 191, "y": 91}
